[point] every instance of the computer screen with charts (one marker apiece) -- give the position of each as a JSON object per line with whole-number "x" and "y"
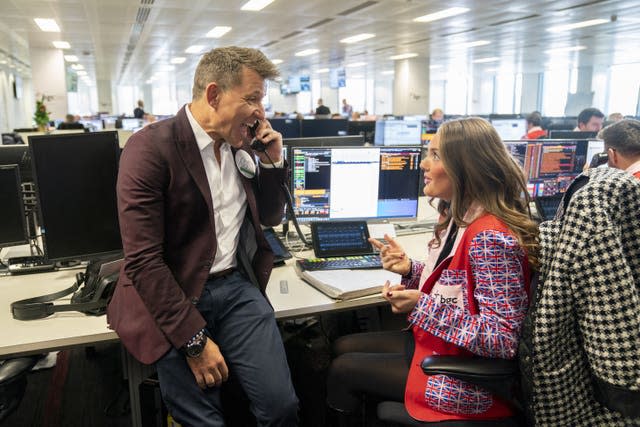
{"x": 398, "y": 132}
{"x": 75, "y": 177}
{"x": 551, "y": 165}
{"x": 13, "y": 226}
{"x": 339, "y": 183}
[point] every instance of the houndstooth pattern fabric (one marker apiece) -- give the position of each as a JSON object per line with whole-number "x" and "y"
{"x": 587, "y": 315}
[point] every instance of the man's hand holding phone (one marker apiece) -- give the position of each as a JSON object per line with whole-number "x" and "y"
{"x": 267, "y": 141}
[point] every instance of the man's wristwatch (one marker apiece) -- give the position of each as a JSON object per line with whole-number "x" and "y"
{"x": 195, "y": 346}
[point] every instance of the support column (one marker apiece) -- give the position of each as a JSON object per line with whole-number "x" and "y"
{"x": 411, "y": 86}
{"x": 531, "y": 91}
{"x": 105, "y": 98}
{"x": 48, "y": 74}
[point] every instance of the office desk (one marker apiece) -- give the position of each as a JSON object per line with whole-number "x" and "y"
{"x": 71, "y": 329}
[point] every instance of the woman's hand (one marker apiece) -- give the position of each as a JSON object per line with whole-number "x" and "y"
{"x": 393, "y": 257}
{"x": 402, "y": 300}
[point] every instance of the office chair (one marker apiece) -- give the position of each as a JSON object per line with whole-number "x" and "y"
{"x": 13, "y": 382}
{"x": 497, "y": 375}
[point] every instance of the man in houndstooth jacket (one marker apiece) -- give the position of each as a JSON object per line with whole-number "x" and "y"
{"x": 580, "y": 347}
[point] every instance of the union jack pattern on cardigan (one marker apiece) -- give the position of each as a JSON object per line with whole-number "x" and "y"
{"x": 499, "y": 290}
{"x": 453, "y": 396}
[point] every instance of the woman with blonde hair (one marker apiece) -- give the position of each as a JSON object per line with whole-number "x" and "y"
{"x": 469, "y": 298}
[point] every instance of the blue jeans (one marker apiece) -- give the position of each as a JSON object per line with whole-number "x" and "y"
{"x": 241, "y": 322}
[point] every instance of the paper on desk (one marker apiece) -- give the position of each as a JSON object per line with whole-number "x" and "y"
{"x": 379, "y": 230}
{"x": 347, "y": 284}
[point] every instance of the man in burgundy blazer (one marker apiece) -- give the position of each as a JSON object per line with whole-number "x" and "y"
{"x": 182, "y": 301}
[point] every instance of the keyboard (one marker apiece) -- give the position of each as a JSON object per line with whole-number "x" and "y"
{"x": 29, "y": 264}
{"x": 340, "y": 263}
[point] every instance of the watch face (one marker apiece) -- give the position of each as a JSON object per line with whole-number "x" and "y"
{"x": 195, "y": 350}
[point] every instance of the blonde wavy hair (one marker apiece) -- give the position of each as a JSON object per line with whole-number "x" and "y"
{"x": 482, "y": 170}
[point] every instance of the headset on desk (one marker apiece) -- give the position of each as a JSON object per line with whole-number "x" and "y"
{"x": 92, "y": 291}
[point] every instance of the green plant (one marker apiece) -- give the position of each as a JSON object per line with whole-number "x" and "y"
{"x": 41, "y": 116}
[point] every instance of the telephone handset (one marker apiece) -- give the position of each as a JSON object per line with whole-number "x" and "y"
{"x": 255, "y": 144}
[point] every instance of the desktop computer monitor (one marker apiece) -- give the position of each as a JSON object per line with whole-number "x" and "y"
{"x": 517, "y": 149}
{"x": 75, "y": 177}
{"x": 326, "y": 141}
{"x": 289, "y": 128}
{"x": 550, "y": 166}
{"x": 398, "y": 132}
{"x": 568, "y": 134}
{"x": 428, "y": 129}
{"x": 323, "y": 127}
{"x": 510, "y": 128}
{"x": 342, "y": 183}
{"x": 17, "y": 155}
{"x": 366, "y": 128}
{"x": 13, "y": 225}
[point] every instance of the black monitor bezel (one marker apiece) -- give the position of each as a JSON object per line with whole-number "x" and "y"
{"x": 34, "y": 141}
{"x": 25, "y": 230}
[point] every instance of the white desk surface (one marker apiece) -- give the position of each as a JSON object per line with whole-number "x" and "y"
{"x": 68, "y": 329}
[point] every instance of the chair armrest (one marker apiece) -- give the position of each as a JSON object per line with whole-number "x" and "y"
{"x": 497, "y": 375}
{"x": 12, "y": 368}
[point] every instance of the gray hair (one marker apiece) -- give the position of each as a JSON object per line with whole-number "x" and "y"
{"x": 623, "y": 136}
{"x": 224, "y": 66}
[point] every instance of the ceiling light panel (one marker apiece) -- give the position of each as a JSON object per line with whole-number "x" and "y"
{"x": 217, "y": 32}
{"x": 47, "y": 25}
{"x": 178, "y": 60}
{"x": 583, "y": 24}
{"x": 256, "y": 5}
{"x": 357, "y": 38}
{"x": 71, "y": 58}
{"x": 307, "y": 52}
{"x": 196, "y": 48}
{"x": 446, "y": 13}
{"x": 403, "y": 56}
{"x": 61, "y": 44}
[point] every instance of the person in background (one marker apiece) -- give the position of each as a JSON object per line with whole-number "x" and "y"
{"x": 534, "y": 127}
{"x": 138, "y": 112}
{"x": 469, "y": 298}
{"x": 437, "y": 115}
{"x": 191, "y": 201}
{"x": 70, "y": 122}
{"x": 347, "y": 109}
{"x": 615, "y": 117}
{"x": 321, "y": 109}
{"x": 622, "y": 144}
{"x": 590, "y": 120}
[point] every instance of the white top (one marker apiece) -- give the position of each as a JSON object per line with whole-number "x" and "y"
{"x": 227, "y": 194}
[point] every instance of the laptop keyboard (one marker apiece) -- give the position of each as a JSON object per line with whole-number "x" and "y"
{"x": 341, "y": 263}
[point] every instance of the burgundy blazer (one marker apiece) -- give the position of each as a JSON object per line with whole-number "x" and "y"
{"x": 169, "y": 239}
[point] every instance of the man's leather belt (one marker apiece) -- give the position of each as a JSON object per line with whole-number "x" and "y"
{"x": 221, "y": 273}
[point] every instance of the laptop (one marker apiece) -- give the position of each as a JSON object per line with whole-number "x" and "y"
{"x": 340, "y": 245}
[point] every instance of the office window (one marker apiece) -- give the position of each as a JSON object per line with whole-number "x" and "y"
{"x": 127, "y": 98}
{"x": 456, "y": 94}
{"x": 517, "y": 101}
{"x": 555, "y": 87}
{"x": 504, "y": 93}
{"x": 481, "y": 94}
{"x": 163, "y": 94}
{"x": 623, "y": 89}
{"x": 599, "y": 84}
{"x": 436, "y": 94}
{"x": 355, "y": 92}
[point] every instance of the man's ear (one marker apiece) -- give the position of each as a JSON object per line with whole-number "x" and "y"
{"x": 213, "y": 94}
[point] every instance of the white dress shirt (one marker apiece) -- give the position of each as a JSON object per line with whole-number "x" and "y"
{"x": 227, "y": 193}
